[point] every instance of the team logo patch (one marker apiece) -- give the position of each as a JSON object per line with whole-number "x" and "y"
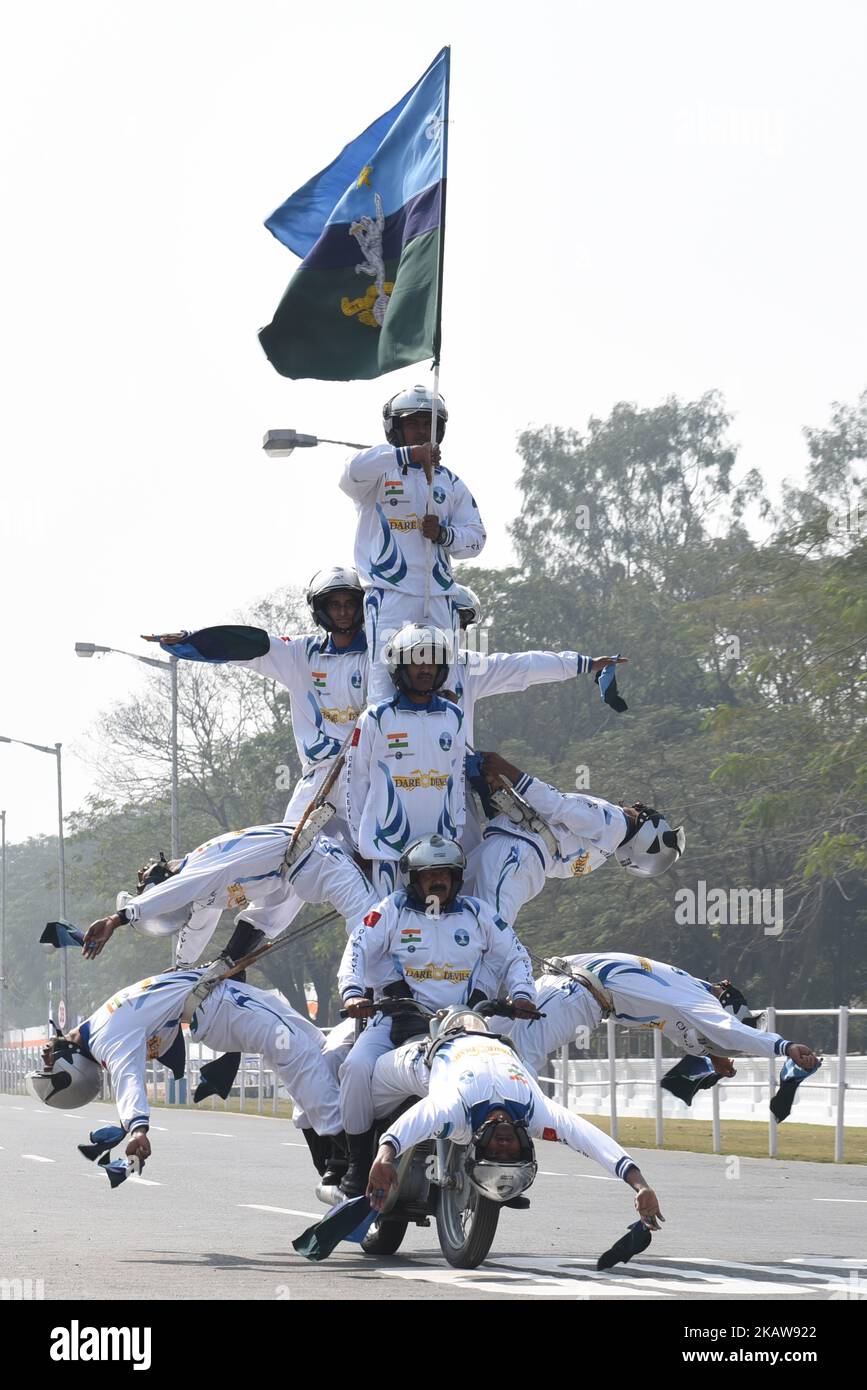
{"x": 550, "y": 1135}
{"x": 580, "y": 864}
{"x": 445, "y": 742}
{"x": 319, "y": 679}
{"x": 462, "y": 936}
{"x": 438, "y": 495}
{"x": 355, "y": 680}
{"x": 466, "y": 1077}
{"x": 372, "y": 918}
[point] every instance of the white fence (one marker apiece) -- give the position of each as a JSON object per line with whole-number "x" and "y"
{"x": 630, "y": 1087}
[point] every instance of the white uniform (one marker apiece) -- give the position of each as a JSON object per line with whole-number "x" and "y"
{"x": 439, "y": 958}
{"x": 405, "y": 778}
{"x": 327, "y": 691}
{"x": 646, "y": 994}
{"x": 392, "y": 556}
{"x": 475, "y": 676}
{"x": 511, "y": 864}
{"x": 474, "y": 1073}
{"x": 141, "y": 1022}
{"x": 245, "y": 870}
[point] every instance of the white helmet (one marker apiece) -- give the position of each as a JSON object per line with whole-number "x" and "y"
{"x": 428, "y": 644}
{"x": 72, "y": 1081}
{"x": 468, "y": 604}
{"x": 328, "y": 582}
{"x": 495, "y": 1178}
{"x": 653, "y": 847}
{"x": 433, "y": 852}
{"x": 412, "y": 401}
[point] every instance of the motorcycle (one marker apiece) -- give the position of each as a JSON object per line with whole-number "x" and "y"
{"x": 432, "y": 1180}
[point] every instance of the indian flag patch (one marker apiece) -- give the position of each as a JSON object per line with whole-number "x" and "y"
{"x": 394, "y": 489}
{"x": 397, "y": 741}
{"x": 319, "y": 680}
{"x": 410, "y": 936}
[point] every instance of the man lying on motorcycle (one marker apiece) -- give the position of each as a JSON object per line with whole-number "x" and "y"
{"x": 479, "y": 1094}
{"x": 428, "y": 943}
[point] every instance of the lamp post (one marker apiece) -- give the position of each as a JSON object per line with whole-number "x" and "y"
{"x": 61, "y": 861}
{"x": 280, "y": 443}
{"x": 91, "y": 649}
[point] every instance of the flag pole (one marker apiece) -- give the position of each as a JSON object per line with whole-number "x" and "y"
{"x": 437, "y": 342}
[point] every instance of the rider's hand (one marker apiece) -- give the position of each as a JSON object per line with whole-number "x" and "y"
{"x": 358, "y": 1008}
{"x": 524, "y": 1008}
{"x": 428, "y": 455}
{"x": 170, "y": 638}
{"x": 98, "y": 935}
{"x": 600, "y": 662}
{"x": 494, "y": 767}
{"x": 139, "y": 1148}
{"x": 383, "y": 1176}
{"x": 430, "y": 526}
{"x": 802, "y": 1056}
{"x": 723, "y": 1066}
{"x": 647, "y": 1206}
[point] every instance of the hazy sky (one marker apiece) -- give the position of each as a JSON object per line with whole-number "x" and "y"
{"x": 644, "y": 198}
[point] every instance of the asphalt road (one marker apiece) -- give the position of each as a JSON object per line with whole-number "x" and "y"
{"x": 223, "y": 1196}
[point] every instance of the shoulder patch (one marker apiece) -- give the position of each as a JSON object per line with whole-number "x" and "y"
{"x": 285, "y": 639}
{"x": 355, "y": 738}
{"x": 498, "y": 922}
{"x": 372, "y": 918}
{"x": 550, "y": 1135}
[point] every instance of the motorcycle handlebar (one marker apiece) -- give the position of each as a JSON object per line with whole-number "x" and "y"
{"x": 488, "y": 1008}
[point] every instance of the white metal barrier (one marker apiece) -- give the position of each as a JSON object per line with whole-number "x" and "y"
{"x": 566, "y": 1083}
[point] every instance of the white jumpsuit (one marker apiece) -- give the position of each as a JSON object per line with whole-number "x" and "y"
{"x": 245, "y": 870}
{"x": 141, "y": 1022}
{"x": 473, "y": 1074}
{"x": 646, "y": 994}
{"x": 440, "y": 959}
{"x": 393, "y": 558}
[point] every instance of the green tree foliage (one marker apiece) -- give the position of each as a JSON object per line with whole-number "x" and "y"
{"x": 745, "y": 682}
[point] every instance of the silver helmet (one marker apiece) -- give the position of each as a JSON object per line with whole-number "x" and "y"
{"x": 413, "y": 400}
{"x": 432, "y": 852}
{"x": 330, "y": 581}
{"x": 653, "y": 847}
{"x": 498, "y": 1179}
{"x": 468, "y": 604}
{"x": 428, "y": 644}
{"x": 71, "y": 1081}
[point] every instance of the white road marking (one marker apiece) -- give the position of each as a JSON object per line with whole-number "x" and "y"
{"x": 287, "y": 1144}
{"x": 217, "y": 1133}
{"x": 861, "y": 1201}
{"x": 38, "y": 1158}
{"x": 143, "y": 1182}
{"x": 547, "y": 1173}
{"x": 284, "y": 1211}
{"x": 578, "y": 1279}
{"x": 831, "y": 1262}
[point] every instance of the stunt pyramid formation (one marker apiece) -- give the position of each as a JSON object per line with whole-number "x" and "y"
{"x": 428, "y": 849}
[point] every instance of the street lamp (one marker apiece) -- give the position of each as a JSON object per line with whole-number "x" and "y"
{"x": 91, "y": 649}
{"x": 61, "y": 862}
{"x": 279, "y": 444}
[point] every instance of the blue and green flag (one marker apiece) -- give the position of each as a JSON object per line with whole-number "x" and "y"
{"x": 367, "y": 297}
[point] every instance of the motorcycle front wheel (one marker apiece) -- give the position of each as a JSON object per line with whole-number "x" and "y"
{"x": 466, "y": 1221}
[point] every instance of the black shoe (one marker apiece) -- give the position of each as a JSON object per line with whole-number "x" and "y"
{"x": 518, "y": 1203}
{"x": 354, "y": 1181}
{"x": 337, "y": 1161}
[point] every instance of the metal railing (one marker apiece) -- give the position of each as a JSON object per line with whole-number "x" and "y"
{"x": 563, "y": 1084}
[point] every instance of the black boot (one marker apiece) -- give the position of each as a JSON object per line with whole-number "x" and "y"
{"x": 320, "y": 1149}
{"x": 360, "y": 1146}
{"x": 338, "y": 1160}
{"x": 244, "y": 939}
